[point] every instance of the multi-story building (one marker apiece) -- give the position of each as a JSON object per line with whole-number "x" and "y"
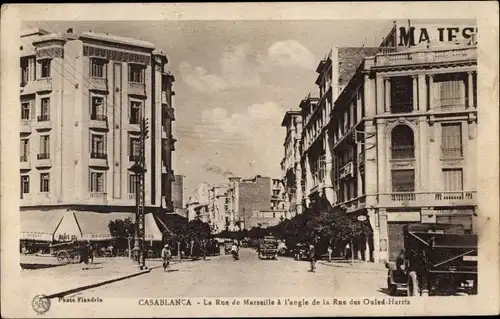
{"x": 178, "y": 192}
{"x": 398, "y": 143}
{"x": 334, "y": 72}
{"x": 219, "y": 219}
{"x": 82, "y": 99}
{"x": 291, "y": 165}
{"x": 198, "y": 204}
{"x": 278, "y": 198}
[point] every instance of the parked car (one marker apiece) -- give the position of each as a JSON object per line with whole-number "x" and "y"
{"x": 437, "y": 259}
{"x": 300, "y": 252}
{"x": 268, "y": 248}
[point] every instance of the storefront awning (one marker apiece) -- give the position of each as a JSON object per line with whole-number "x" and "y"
{"x": 153, "y": 233}
{"x": 39, "y": 225}
{"x": 68, "y": 228}
{"x": 94, "y": 226}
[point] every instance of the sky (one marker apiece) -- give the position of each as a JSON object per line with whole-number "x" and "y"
{"x": 234, "y": 80}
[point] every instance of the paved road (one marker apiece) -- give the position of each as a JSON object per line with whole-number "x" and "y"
{"x": 247, "y": 277}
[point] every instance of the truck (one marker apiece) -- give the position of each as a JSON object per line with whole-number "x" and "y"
{"x": 437, "y": 259}
{"x": 268, "y": 248}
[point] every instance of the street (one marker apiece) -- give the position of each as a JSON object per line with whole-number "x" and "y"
{"x": 249, "y": 276}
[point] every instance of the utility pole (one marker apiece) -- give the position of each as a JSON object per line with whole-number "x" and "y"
{"x": 139, "y": 169}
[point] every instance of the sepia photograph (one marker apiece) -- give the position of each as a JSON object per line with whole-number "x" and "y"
{"x": 247, "y": 163}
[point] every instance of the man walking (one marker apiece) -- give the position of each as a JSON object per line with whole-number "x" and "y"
{"x": 329, "y": 253}
{"x": 312, "y": 257}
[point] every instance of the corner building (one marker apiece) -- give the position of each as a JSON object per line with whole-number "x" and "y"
{"x": 404, "y": 142}
{"x": 82, "y": 99}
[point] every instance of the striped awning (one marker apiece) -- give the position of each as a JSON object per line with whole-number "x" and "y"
{"x": 39, "y": 224}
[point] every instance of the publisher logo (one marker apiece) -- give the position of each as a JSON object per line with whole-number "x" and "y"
{"x": 40, "y": 304}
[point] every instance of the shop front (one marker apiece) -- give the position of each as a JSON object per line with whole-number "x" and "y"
{"x": 37, "y": 229}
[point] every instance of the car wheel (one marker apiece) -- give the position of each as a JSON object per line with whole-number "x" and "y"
{"x": 412, "y": 285}
{"x": 392, "y": 288}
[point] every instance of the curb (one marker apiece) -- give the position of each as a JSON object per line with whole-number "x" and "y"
{"x": 102, "y": 283}
{"x": 351, "y": 266}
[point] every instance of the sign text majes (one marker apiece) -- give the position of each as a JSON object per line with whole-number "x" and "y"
{"x": 409, "y": 36}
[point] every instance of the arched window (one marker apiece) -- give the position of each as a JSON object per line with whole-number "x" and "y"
{"x": 402, "y": 143}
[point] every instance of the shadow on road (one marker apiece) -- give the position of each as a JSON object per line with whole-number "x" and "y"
{"x": 40, "y": 266}
{"x": 386, "y": 291}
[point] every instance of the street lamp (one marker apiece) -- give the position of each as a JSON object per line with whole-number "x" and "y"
{"x": 139, "y": 236}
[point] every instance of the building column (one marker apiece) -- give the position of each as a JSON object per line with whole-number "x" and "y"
{"x": 422, "y": 93}
{"x": 423, "y": 159}
{"x": 328, "y": 167}
{"x": 470, "y": 90}
{"x": 415, "y": 92}
{"x": 383, "y": 241}
{"x": 387, "y": 94}
{"x": 298, "y": 191}
{"x": 431, "y": 91}
{"x": 379, "y": 95}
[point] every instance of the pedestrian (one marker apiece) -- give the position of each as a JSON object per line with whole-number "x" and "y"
{"x": 90, "y": 250}
{"x": 329, "y": 253}
{"x": 84, "y": 255}
{"x": 312, "y": 257}
{"x": 347, "y": 251}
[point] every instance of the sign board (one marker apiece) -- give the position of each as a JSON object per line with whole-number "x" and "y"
{"x": 36, "y": 236}
{"x": 403, "y": 217}
{"x": 406, "y": 34}
{"x": 362, "y": 218}
{"x": 346, "y": 170}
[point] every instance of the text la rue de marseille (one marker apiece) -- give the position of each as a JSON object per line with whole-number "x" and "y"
{"x": 289, "y": 302}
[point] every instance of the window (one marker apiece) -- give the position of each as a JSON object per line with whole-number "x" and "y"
{"x": 24, "y": 71}
{"x": 450, "y": 91}
{"x": 25, "y": 110}
{"x": 451, "y": 139}
{"x": 96, "y": 182}
{"x": 135, "y": 73}
{"x": 44, "y": 182}
{"x": 24, "y": 151}
{"x": 45, "y": 66}
{"x": 132, "y": 180}
{"x": 401, "y": 94}
{"x": 25, "y": 185}
{"x": 453, "y": 179}
{"x": 97, "y": 112}
{"x": 45, "y": 110}
{"x": 402, "y": 143}
{"x": 403, "y": 180}
{"x": 44, "y": 147}
{"x": 135, "y": 112}
{"x": 97, "y": 68}
{"x": 98, "y": 149}
{"x": 134, "y": 149}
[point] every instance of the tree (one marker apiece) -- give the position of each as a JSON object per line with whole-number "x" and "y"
{"x": 122, "y": 230}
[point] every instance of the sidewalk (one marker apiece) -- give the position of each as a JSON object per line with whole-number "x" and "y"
{"x": 59, "y": 281}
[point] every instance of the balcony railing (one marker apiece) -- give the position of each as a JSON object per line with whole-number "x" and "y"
{"x": 135, "y": 120}
{"x": 402, "y": 107}
{"x": 426, "y": 56}
{"x": 452, "y": 152}
{"x": 98, "y": 155}
{"x": 134, "y": 158}
{"x": 98, "y": 117}
{"x": 44, "y": 84}
{"x": 98, "y": 83}
{"x": 43, "y": 118}
{"x": 450, "y": 103}
{"x": 43, "y": 156}
{"x": 428, "y": 198}
{"x": 136, "y": 88}
{"x": 23, "y": 158}
{"x": 403, "y": 152}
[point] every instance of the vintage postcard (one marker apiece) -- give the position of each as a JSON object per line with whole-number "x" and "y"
{"x": 249, "y": 159}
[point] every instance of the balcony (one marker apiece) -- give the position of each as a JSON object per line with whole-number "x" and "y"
{"x": 98, "y": 198}
{"x": 402, "y": 107}
{"x": 44, "y": 85}
{"x": 43, "y": 160}
{"x": 98, "y": 84}
{"x": 419, "y": 199}
{"x": 43, "y": 122}
{"x": 98, "y": 121}
{"x": 164, "y": 98}
{"x": 449, "y": 104}
{"x": 26, "y": 126}
{"x": 426, "y": 56}
{"x": 24, "y": 162}
{"x": 403, "y": 152}
{"x": 98, "y": 159}
{"x": 138, "y": 89}
{"x": 451, "y": 153}
{"x": 169, "y": 113}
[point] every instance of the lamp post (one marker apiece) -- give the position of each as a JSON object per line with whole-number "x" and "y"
{"x": 139, "y": 169}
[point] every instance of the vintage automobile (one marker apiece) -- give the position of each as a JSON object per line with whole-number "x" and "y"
{"x": 228, "y": 244}
{"x": 300, "y": 252}
{"x": 268, "y": 248}
{"x": 437, "y": 259}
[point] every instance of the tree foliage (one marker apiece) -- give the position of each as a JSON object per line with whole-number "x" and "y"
{"x": 121, "y": 228}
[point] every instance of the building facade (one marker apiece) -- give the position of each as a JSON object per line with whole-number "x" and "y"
{"x": 395, "y": 141}
{"x": 82, "y": 99}
{"x": 178, "y": 192}
{"x": 291, "y": 165}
